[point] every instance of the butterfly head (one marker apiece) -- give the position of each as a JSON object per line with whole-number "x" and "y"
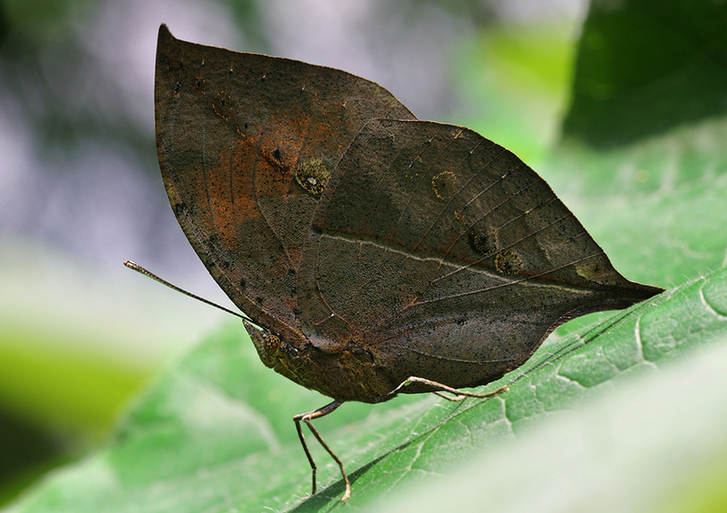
{"x": 266, "y": 343}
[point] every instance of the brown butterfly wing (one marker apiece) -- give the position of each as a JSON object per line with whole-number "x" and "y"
{"x": 446, "y": 256}
{"x": 246, "y": 144}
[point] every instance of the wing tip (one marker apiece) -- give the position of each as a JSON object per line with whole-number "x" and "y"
{"x": 634, "y": 293}
{"x": 164, "y": 36}
{"x": 644, "y": 292}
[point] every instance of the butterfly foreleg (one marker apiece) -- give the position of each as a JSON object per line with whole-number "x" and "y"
{"x": 307, "y": 418}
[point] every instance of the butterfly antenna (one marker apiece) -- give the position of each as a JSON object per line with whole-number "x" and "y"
{"x": 136, "y": 267}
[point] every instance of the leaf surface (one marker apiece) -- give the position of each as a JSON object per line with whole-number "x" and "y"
{"x": 212, "y": 433}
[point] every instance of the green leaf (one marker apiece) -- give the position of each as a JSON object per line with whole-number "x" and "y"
{"x": 645, "y": 67}
{"x": 214, "y": 434}
{"x": 655, "y": 444}
{"x": 656, "y": 206}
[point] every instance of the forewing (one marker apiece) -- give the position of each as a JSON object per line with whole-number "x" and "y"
{"x": 448, "y": 255}
{"x": 246, "y": 145}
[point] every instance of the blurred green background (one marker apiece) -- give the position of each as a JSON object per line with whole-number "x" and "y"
{"x": 80, "y": 186}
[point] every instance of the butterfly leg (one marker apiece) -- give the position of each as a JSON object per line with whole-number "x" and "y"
{"x": 459, "y": 395}
{"x": 307, "y": 418}
{"x": 455, "y": 398}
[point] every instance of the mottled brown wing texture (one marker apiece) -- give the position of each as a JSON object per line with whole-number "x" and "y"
{"x": 446, "y": 256}
{"x": 246, "y": 145}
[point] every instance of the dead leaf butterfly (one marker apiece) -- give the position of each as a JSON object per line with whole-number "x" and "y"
{"x": 372, "y": 253}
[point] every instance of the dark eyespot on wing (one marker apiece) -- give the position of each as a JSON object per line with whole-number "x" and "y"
{"x": 508, "y": 262}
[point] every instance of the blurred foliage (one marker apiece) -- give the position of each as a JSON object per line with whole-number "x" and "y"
{"x": 516, "y": 80}
{"x": 72, "y": 390}
{"x": 27, "y": 451}
{"x": 479, "y": 14}
{"x": 648, "y": 68}
{"x": 73, "y": 352}
{"x": 37, "y": 21}
{"x": 248, "y": 16}
{"x": 61, "y": 380}
{"x": 51, "y": 73}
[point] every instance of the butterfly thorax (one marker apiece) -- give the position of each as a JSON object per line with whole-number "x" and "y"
{"x": 348, "y": 373}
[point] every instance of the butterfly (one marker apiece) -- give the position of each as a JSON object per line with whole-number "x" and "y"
{"x": 372, "y": 253}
